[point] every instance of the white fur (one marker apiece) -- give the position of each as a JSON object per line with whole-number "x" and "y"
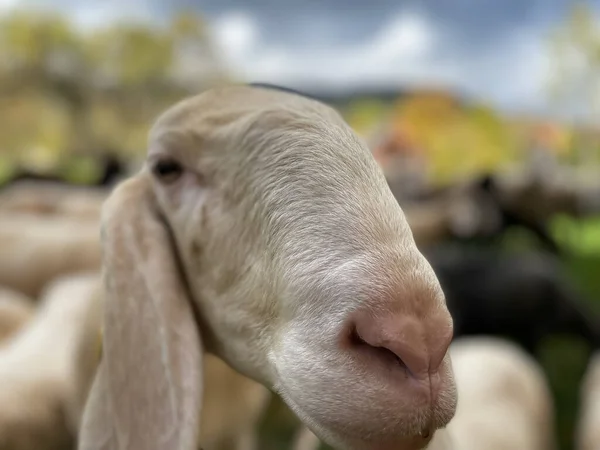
{"x": 285, "y": 228}
{"x": 36, "y": 369}
{"x": 16, "y": 310}
{"x": 37, "y": 249}
{"x": 504, "y": 399}
{"x": 51, "y": 199}
{"x": 588, "y": 426}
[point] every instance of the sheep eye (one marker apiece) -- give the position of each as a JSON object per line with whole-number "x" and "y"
{"x": 167, "y": 170}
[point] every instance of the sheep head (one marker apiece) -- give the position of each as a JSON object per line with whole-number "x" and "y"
{"x": 262, "y": 230}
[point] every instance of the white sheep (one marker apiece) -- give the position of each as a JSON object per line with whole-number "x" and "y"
{"x": 16, "y": 310}
{"x": 36, "y": 250}
{"x": 52, "y": 199}
{"x": 587, "y": 434}
{"x": 504, "y": 401}
{"x": 36, "y": 369}
{"x": 262, "y": 230}
{"x": 57, "y": 388}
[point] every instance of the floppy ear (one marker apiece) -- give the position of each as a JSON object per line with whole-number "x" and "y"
{"x": 148, "y": 389}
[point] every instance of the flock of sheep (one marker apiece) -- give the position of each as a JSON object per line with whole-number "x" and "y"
{"x": 260, "y": 249}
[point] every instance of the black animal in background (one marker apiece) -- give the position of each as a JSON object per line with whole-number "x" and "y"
{"x": 510, "y": 217}
{"x": 525, "y": 297}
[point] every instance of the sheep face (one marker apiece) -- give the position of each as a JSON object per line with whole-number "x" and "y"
{"x": 262, "y": 230}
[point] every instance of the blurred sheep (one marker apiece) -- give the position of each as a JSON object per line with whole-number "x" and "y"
{"x": 587, "y": 434}
{"x": 36, "y": 250}
{"x": 16, "y": 310}
{"x": 504, "y": 399}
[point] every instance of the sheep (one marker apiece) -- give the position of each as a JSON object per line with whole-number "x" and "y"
{"x": 461, "y": 212}
{"x": 44, "y": 198}
{"x": 261, "y": 230}
{"x": 36, "y": 250}
{"x": 587, "y": 432}
{"x": 36, "y": 369}
{"x": 523, "y": 296}
{"x": 504, "y": 403}
{"x": 483, "y": 207}
{"x": 16, "y": 310}
{"x": 235, "y": 403}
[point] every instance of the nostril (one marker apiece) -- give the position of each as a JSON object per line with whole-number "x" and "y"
{"x": 379, "y": 352}
{"x": 395, "y": 339}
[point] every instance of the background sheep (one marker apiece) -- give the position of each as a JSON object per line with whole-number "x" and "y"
{"x": 36, "y": 250}
{"x": 504, "y": 400}
{"x": 16, "y": 310}
{"x": 587, "y": 435}
{"x": 524, "y": 296}
{"x": 36, "y": 370}
{"x": 232, "y": 408}
{"x": 301, "y": 266}
{"x": 45, "y": 198}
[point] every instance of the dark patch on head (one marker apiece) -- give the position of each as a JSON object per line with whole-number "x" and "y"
{"x": 280, "y": 88}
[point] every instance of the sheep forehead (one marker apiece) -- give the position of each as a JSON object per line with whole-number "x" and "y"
{"x": 285, "y": 143}
{"x": 294, "y": 162}
{"x": 234, "y": 119}
{"x": 220, "y": 106}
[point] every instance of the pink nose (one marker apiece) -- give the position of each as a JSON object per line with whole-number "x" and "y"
{"x": 419, "y": 345}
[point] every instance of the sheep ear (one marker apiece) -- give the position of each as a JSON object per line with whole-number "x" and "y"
{"x": 148, "y": 390}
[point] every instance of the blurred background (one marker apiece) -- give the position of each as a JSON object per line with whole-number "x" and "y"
{"x": 495, "y": 102}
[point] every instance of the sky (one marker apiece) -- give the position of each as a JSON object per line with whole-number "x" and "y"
{"x": 493, "y": 50}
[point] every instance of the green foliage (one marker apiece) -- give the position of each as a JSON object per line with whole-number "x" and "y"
{"x": 565, "y": 359}
{"x": 575, "y": 56}
{"x": 457, "y": 140}
{"x": 574, "y": 74}
{"x": 365, "y": 115}
{"x": 64, "y": 91}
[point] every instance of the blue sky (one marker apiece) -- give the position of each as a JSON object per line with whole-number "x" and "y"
{"x": 490, "y": 49}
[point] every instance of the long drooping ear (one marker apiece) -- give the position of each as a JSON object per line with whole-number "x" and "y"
{"x": 148, "y": 390}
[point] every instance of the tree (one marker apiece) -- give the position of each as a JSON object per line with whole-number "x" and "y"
{"x": 458, "y": 139}
{"x": 66, "y": 94}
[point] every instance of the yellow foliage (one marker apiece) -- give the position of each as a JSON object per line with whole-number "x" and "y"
{"x": 37, "y": 128}
{"x": 456, "y": 139}
{"x": 365, "y": 115}
{"x": 64, "y": 92}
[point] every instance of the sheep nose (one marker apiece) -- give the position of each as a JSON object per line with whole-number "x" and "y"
{"x": 417, "y": 344}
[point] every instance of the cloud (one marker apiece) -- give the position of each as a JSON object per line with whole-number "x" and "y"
{"x": 235, "y": 34}
{"x": 7, "y": 5}
{"x": 398, "y": 52}
{"x": 405, "y": 36}
{"x": 486, "y": 48}
{"x": 407, "y": 49}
